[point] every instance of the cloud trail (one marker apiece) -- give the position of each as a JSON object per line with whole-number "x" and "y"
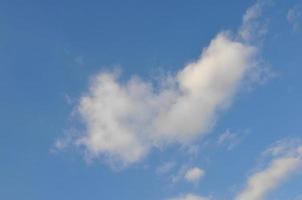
{"x": 287, "y": 159}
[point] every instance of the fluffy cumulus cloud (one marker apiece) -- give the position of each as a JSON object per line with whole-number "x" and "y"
{"x": 190, "y": 197}
{"x": 194, "y": 174}
{"x": 124, "y": 120}
{"x": 286, "y": 160}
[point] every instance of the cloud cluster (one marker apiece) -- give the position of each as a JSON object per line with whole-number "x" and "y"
{"x": 286, "y": 160}
{"x": 124, "y": 120}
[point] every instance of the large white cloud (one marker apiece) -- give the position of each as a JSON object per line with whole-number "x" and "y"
{"x": 125, "y": 119}
{"x": 287, "y": 159}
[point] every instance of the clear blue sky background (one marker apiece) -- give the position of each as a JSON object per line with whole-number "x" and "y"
{"x": 49, "y": 50}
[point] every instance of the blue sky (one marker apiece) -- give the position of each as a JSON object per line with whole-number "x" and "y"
{"x": 151, "y": 100}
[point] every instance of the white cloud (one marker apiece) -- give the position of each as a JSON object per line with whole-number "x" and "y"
{"x": 124, "y": 120}
{"x": 194, "y": 174}
{"x": 190, "y": 197}
{"x": 287, "y": 159}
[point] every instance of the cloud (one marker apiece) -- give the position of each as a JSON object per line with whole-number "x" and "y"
{"x": 194, "y": 174}
{"x": 286, "y": 160}
{"x": 190, "y": 197}
{"x": 229, "y": 139}
{"x": 294, "y": 17}
{"x": 124, "y": 120}
{"x": 252, "y": 28}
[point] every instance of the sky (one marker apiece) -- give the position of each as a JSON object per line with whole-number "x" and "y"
{"x": 151, "y": 100}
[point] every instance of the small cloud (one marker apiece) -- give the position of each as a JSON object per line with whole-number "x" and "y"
{"x": 190, "y": 196}
{"x": 294, "y": 17}
{"x": 285, "y": 147}
{"x": 194, "y": 174}
{"x": 59, "y": 145}
{"x": 252, "y": 28}
{"x": 64, "y": 142}
{"x": 229, "y": 139}
{"x": 226, "y": 136}
{"x": 285, "y": 160}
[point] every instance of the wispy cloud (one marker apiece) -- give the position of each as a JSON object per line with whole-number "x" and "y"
{"x": 228, "y": 139}
{"x": 253, "y": 27}
{"x": 286, "y": 160}
{"x": 165, "y": 167}
{"x": 282, "y": 160}
{"x": 294, "y": 17}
